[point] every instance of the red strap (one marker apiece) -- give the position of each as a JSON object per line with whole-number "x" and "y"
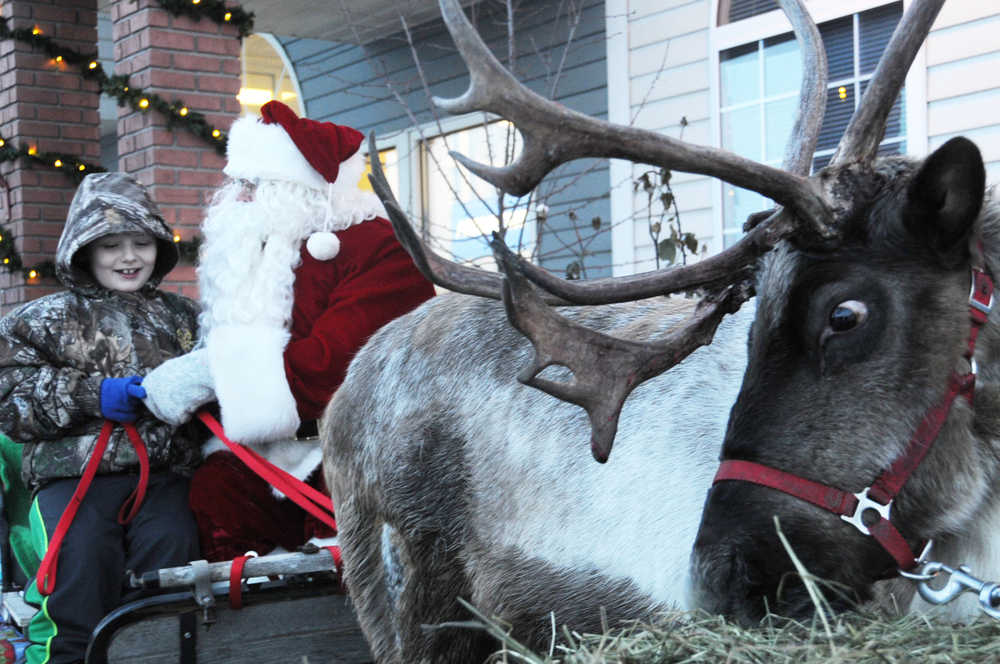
{"x": 236, "y": 582}
{"x": 46, "y": 576}
{"x": 305, "y": 496}
{"x": 338, "y": 560}
{"x": 139, "y": 494}
{"x": 831, "y": 499}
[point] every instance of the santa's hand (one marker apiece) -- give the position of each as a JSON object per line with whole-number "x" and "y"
{"x": 179, "y": 387}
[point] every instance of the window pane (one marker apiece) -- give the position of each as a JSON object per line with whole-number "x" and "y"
{"x": 740, "y": 204}
{"x": 741, "y": 132}
{"x": 782, "y": 67}
{"x": 389, "y": 161}
{"x": 265, "y": 77}
{"x": 459, "y": 208}
{"x": 740, "y": 74}
{"x": 838, "y": 36}
{"x": 779, "y": 116}
{"x": 740, "y": 9}
{"x": 874, "y": 29}
{"x": 839, "y": 109}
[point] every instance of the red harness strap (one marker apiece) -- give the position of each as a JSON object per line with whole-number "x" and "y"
{"x": 46, "y": 576}
{"x": 303, "y": 495}
{"x": 880, "y": 494}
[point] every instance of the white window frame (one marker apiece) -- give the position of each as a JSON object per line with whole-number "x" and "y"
{"x": 775, "y": 23}
{"x": 408, "y": 145}
{"x": 289, "y": 68}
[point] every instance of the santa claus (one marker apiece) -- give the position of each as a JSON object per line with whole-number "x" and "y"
{"x": 298, "y": 268}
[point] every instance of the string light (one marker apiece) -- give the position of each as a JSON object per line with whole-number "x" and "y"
{"x": 842, "y": 92}
{"x": 6, "y": 261}
{"x": 93, "y": 64}
{"x": 36, "y": 31}
{"x": 81, "y": 167}
{"x": 216, "y": 133}
{"x": 177, "y": 237}
{"x": 33, "y": 274}
{"x": 227, "y": 17}
{"x": 183, "y": 112}
{"x": 59, "y": 58}
{"x": 33, "y": 150}
{"x": 57, "y": 163}
{"x": 143, "y": 103}
{"x": 2, "y": 142}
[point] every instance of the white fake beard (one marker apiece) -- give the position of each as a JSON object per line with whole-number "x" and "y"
{"x": 246, "y": 274}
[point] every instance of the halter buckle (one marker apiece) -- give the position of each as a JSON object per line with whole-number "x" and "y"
{"x": 973, "y": 302}
{"x": 866, "y": 503}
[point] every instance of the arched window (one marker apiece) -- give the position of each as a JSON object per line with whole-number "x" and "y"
{"x": 267, "y": 75}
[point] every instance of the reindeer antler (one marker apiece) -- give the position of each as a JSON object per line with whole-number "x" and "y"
{"x": 606, "y": 369}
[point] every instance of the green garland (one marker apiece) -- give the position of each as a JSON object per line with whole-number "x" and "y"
{"x": 213, "y": 9}
{"x": 116, "y": 86}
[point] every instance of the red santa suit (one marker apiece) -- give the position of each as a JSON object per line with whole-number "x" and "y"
{"x": 297, "y": 271}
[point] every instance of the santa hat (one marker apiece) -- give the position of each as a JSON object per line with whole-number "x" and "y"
{"x": 282, "y": 146}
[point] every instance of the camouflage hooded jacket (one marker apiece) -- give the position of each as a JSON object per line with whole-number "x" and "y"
{"x": 55, "y": 351}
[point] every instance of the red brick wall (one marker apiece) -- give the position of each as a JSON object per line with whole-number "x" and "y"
{"x": 50, "y": 106}
{"x": 198, "y": 63}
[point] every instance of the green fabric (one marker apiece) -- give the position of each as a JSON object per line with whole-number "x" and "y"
{"x": 42, "y": 629}
{"x": 17, "y": 502}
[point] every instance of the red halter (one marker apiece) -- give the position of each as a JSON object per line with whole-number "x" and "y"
{"x": 879, "y": 496}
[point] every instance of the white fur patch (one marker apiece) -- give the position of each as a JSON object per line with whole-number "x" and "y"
{"x": 249, "y": 372}
{"x": 266, "y": 151}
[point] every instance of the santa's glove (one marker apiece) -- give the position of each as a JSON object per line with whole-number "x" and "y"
{"x": 179, "y": 387}
{"x": 120, "y": 398}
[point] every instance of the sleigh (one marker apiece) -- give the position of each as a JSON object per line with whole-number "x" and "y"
{"x": 288, "y": 607}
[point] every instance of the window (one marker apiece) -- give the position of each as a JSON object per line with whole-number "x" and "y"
{"x": 758, "y": 97}
{"x": 460, "y": 211}
{"x": 267, "y": 75}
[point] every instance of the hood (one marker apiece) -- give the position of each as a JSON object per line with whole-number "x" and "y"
{"x": 104, "y": 204}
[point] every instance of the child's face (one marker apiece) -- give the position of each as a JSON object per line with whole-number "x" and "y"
{"x": 122, "y": 261}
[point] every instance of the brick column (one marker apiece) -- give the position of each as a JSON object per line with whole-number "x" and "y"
{"x": 47, "y": 105}
{"x": 180, "y": 59}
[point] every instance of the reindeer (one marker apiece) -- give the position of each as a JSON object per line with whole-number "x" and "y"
{"x": 841, "y": 330}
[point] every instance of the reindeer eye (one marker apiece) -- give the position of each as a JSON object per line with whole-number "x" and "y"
{"x": 848, "y": 315}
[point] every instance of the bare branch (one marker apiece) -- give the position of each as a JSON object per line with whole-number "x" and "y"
{"x": 863, "y": 135}
{"x": 605, "y": 369}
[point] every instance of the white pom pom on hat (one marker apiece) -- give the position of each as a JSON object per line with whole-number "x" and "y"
{"x": 323, "y": 245}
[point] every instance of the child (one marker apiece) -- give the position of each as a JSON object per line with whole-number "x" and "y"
{"x": 71, "y": 360}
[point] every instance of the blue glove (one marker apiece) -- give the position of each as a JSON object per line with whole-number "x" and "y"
{"x": 121, "y": 398}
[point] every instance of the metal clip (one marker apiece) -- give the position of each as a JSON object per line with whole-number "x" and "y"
{"x": 960, "y": 581}
{"x": 866, "y": 503}
{"x": 202, "y": 590}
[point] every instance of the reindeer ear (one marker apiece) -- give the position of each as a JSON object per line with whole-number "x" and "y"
{"x": 945, "y": 197}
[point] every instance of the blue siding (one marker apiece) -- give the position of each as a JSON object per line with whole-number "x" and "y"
{"x": 378, "y": 87}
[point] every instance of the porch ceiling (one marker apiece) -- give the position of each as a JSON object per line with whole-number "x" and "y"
{"x": 352, "y": 21}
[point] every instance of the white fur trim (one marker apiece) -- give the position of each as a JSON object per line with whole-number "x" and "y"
{"x": 249, "y": 371}
{"x": 266, "y": 151}
{"x": 323, "y": 246}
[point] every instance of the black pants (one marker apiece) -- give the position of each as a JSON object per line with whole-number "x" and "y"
{"x": 97, "y": 551}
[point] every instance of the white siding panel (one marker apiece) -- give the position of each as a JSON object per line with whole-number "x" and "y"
{"x": 964, "y": 11}
{"x": 964, "y": 77}
{"x": 657, "y": 27}
{"x": 965, "y": 113}
{"x": 963, "y": 41}
{"x": 672, "y": 52}
{"x": 670, "y": 82}
{"x": 669, "y": 111}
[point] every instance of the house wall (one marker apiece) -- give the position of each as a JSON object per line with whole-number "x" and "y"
{"x": 963, "y": 78}
{"x": 670, "y": 60}
{"x": 667, "y": 65}
{"x": 379, "y": 87}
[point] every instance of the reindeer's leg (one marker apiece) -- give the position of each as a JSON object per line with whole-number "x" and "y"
{"x": 536, "y": 599}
